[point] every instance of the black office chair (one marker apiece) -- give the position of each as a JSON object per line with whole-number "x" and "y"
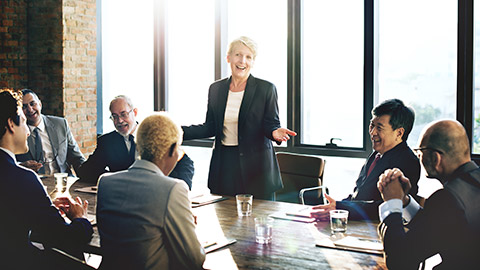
{"x": 299, "y": 172}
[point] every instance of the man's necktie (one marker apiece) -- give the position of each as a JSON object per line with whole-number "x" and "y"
{"x": 132, "y": 145}
{"x": 39, "y": 150}
{"x": 370, "y": 169}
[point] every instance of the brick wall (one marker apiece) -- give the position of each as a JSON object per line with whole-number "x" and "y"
{"x": 79, "y": 70}
{"x": 13, "y": 44}
{"x": 50, "y": 47}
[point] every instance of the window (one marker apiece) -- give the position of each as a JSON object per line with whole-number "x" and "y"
{"x": 332, "y": 66}
{"x": 190, "y": 67}
{"x": 476, "y": 79}
{"x": 127, "y": 55}
{"x": 417, "y": 58}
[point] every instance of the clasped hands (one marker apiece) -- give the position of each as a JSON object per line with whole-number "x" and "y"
{"x": 393, "y": 184}
{"x": 72, "y": 208}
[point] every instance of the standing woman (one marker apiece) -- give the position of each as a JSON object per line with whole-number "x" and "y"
{"x": 243, "y": 116}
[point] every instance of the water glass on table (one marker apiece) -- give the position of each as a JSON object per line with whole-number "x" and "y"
{"x": 338, "y": 221}
{"x": 263, "y": 230}
{"x": 244, "y": 204}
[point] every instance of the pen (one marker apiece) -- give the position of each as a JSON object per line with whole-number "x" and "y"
{"x": 210, "y": 245}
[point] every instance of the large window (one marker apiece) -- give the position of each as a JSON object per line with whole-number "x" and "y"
{"x": 126, "y": 56}
{"x": 476, "y": 78}
{"x": 190, "y": 68}
{"x": 332, "y": 72}
{"x": 417, "y": 58}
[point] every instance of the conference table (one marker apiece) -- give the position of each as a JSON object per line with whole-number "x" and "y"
{"x": 293, "y": 245}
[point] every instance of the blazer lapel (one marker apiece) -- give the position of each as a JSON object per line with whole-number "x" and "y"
{"x": 250, "y": 90}
{"x": 222, "y": 103}
{"x": 52, "y": 135}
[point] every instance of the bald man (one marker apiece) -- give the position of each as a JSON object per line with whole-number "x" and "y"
{"x": 449, "y": 224}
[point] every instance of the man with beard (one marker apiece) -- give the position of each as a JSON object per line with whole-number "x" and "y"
{"x": 116, "y": 151}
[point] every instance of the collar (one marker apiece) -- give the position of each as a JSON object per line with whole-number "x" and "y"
{"x": 465, "y": 168}
{"x": 146, "y": 165}
{"x": 394, "y": 149}
{"x": 10, "y": 153}
{"x": 41, "y": 125}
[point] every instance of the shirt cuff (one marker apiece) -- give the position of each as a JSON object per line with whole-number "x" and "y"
{"x": 389, "y": 207}
{"x": 411, "y": 209}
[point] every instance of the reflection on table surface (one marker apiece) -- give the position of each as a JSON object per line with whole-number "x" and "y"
{"x": 292, "y": 247}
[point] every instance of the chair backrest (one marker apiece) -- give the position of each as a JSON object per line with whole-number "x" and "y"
{"x": 298, "y": 171}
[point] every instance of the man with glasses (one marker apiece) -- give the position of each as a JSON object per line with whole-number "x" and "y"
{"x": 449, "y": 224}
{"x": 116, "y": 150}
{"x": 389, "y": 128}
{"x": 52, "y": 145}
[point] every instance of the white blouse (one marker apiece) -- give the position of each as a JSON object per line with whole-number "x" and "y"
{"x": 230, "y": 122}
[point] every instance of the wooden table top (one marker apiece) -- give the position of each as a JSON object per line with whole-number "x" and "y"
{"x": 292, "y": 247}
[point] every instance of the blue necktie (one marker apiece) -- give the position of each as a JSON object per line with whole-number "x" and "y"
{"x": 39, "y": 150}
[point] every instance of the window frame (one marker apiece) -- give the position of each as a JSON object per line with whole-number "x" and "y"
{"x": 464, "y": 112}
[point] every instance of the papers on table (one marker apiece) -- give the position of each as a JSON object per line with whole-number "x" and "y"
{"x": 352, "y": 243}
{"x": 212, "y": 246}
{"x": 286, "y": 216}
{"x": 302, "y": 215}
{"x": 205, "y": 199}
{"x": 90, "y": 189}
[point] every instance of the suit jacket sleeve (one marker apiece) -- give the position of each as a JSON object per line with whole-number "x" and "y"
{"x": 47, "y": 222}
{"x": 96, "y": 163}
{"x": 74, "y": 155}
{"x": 428, "y": 232}
{"x": 186, "y": 251}
{"x": 271, "y": 119}
{"x": 184, "y": 170}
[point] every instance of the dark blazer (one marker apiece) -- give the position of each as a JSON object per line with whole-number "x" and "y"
{"x": 364, "y": 202}
{"x": 26, "y": 207}
{"x": 112, "y": 152}
{"x": 449, "y": 225}
{"x": 258, "y": 118}
{"x": 64, "y": 146}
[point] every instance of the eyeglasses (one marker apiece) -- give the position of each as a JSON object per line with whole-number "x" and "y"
{"x": 418, "y": 151}
{"x": 123, "y": 115}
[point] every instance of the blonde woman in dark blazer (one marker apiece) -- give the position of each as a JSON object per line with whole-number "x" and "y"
{"x": 243, "y": 117}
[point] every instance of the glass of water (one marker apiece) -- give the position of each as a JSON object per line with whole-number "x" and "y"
{"x": 263, "y": 230}
{"x": 338, "y": 221}
{"x": 244, "y": 204}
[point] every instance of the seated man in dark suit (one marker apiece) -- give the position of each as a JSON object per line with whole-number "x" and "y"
{"x": 449, "y": 224}
{"x": 116, "y": 150}
{"x": 389, "y": 128}
{"x": 52, "y": 147}
{"x": 24, "y": 204}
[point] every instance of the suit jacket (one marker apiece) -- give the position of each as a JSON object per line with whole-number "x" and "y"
{"x": 112, "y": 152}
{"x": 364, "y": 202}
{"x": 257, "y": 119}
{"x": 64, "y": 146}
{"x": 145, "y": 221}
{"x": 449, "y": 225}
{"x": 27, "y": 208}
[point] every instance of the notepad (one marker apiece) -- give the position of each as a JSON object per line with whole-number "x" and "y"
{"x": 285, "y": 216}
{"x": 212, "y": 246}
{"x": 360, "y": 243}
{"x": 351, "y": 243}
